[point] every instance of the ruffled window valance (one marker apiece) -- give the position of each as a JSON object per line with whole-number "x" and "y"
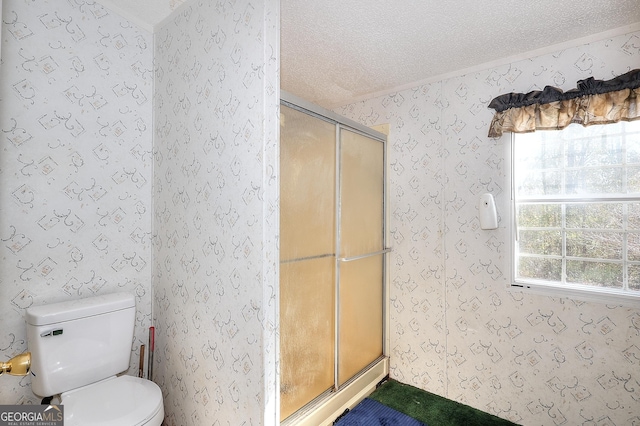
{"x": 592, "y": 102}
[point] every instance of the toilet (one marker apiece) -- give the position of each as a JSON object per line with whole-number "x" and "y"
{"x": 79, "y": 349}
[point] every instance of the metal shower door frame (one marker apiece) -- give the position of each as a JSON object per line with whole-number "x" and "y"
{"x": 343, "y": 123}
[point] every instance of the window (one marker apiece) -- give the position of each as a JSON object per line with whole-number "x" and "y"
{"x": 576, "y": 211}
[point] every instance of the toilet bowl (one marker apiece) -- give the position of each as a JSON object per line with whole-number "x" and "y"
{"x": 79, "y": 350}
{"x": 124, "y": 400}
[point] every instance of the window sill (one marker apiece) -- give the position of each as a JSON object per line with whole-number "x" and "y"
{"x": 583, "y": 294}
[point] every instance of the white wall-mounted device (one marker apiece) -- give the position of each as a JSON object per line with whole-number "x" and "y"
{"x": 487, "y": 212}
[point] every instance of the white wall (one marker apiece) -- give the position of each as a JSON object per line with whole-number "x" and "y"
{"x": 75, "y": 200}
{"x": 75, "y": 166}
{"x": 456, "y": 330}
{"x": 216, "y": 221}
{"x": 79, "y": 89}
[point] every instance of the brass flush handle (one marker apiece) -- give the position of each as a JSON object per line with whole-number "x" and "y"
{"x": 19, "y": 365}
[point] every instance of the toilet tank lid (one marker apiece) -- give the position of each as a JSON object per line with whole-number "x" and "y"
{"x": 78, "y": 308}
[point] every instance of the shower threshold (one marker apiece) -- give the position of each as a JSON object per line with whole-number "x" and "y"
{"x": 326, "y": 408}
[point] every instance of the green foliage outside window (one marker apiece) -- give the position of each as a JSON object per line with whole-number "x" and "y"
{"x": 578, "y": 206}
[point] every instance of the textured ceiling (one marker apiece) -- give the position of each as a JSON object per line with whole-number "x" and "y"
{"x": 336, "y": 51}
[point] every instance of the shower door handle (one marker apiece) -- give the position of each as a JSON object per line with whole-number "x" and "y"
{"x": 363, "y": 256}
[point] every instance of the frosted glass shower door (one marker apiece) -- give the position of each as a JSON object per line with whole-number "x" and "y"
{"x": 331, "y": 258}
{"x": 307, "y": 258}
{"x": 360, "y": 266}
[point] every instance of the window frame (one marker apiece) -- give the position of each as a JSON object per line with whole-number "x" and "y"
{"x": 579, "y": 292}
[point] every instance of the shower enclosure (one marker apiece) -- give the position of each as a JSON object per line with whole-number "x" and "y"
{"x": 332, "y": 261}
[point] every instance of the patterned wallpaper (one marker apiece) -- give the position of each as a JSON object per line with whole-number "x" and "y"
{"x": 77, "y": 206}
{"x": 455, "y": 329}
{"x": 75, "y": 165}
{"x": 77, "y": 199}
{"x": 215, "y": 213}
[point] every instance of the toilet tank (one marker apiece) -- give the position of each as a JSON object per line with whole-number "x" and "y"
{"x": 79, "y": 342}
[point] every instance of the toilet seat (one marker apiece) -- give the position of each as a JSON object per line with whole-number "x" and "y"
{"x": 115, "y": 401}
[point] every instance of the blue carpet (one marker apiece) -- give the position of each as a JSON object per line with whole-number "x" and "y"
{"x": 372, "y": 413}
